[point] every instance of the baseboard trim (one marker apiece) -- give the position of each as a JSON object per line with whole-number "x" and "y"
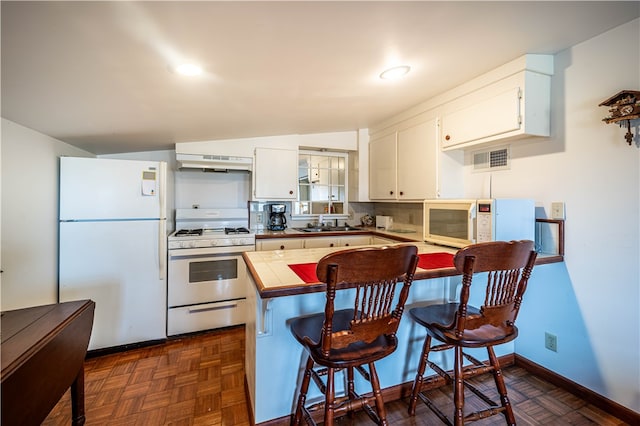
{"x": 623, "y": 413}
{"x": 605, "y": 404}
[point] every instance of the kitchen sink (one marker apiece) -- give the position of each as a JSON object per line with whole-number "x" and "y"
{"x": 329, "y": 229}
{"x": 344, "y": 228}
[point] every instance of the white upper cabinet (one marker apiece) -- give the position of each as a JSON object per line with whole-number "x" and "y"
{"x": 275, "y": 174}
{"x": 513, "y": 107}
{"x": 382, "y": 168}
{"x": 404, "y": 165}
{"x": 417, "y": 167}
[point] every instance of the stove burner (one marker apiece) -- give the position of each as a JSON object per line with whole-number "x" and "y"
{"x": 236, "y": 231}
{"x": 188, "y": 232}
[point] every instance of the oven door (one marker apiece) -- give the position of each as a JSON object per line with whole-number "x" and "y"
{"x": 206, "y": 275}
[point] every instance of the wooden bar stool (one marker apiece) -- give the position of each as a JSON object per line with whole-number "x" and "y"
{"x": 350, "y": 338}
{"x": 458, "y": 325}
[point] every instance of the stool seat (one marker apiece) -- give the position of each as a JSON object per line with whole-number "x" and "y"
{"x": 438, "y": 319}
{"x": 349, "y": 339}
{"x": 362, "y": 352}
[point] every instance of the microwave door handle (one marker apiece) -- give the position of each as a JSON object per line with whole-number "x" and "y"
{"x": 472, "y": 223}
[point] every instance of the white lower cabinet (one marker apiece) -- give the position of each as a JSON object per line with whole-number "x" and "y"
{"x": 279, "y": 244}
{"x": 355, "y": 240}
{"x": 380, "y": 240}
{"x": 346, "y": 241}
{"x": 321, "y": 242}
{"x": 314, "y": 242}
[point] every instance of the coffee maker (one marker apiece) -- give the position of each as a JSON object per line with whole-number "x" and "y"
{"x": 277, "y": 219}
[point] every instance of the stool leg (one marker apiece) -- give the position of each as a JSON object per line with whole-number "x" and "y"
{"x": 417, "y": 383}
{"x": 375, "y": 385}
{"x": 502, "y": 388}
{"x": 458, "y": 388}
{"x": 350, "y": 388}
{"x": 330, "y": 398}
{"x": 302, "y": 396}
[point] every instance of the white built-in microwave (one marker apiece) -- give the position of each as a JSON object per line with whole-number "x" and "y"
{"x": 458, "y": 223}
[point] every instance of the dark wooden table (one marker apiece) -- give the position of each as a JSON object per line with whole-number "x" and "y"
{"x": 42, "y": 354}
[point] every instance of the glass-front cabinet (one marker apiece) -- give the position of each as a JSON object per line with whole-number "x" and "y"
{"x": 322, "y": 184}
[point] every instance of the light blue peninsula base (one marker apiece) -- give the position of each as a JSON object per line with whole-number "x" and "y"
{"x": 275, "y": 361}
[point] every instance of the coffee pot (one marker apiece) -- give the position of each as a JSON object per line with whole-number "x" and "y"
{"x": 277, "y": 219}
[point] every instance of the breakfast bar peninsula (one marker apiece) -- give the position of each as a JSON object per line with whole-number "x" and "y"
{"x": 282, "y": 286}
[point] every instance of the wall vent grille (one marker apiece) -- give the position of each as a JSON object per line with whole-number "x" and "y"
{"x": 494, "y": 159}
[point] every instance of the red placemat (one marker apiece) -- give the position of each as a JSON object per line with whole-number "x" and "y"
{"x": 435, "y": 260}
{"x": 306, "y": 271}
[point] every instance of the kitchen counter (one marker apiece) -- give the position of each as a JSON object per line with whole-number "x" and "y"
{"x": 273, "y": 277}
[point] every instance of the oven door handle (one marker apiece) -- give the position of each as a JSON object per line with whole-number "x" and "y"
{"x": 204, "y": 251}
{"x": 213, "y": 307}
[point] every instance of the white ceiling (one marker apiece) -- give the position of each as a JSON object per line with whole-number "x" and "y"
{"x": 96, "y": 74}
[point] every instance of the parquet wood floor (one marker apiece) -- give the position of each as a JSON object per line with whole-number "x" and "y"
{"x": 199, "y": 380}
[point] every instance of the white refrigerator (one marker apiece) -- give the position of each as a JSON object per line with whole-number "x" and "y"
{"x": 112, "y": 246}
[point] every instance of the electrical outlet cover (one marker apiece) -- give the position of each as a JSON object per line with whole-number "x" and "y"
{"x": 557, "y": 210}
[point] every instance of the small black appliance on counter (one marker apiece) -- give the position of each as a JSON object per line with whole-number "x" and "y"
{"x": 277, "y": 218}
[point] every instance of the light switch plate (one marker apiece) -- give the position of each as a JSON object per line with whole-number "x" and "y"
{"x": 557, "y": 210}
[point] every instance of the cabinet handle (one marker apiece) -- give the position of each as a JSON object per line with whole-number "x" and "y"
{"x": 390, "y": 192}
{"x": 290, "y": 192}
{"x": 281, "y": 247}
{"x": 346, "y": 245}
{"x": 447, "y": 137}
{"x": 331, "y": 245}
{"x": 401, "y": 193}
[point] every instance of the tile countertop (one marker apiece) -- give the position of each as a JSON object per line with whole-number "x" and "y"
{"x": 273, "y": 277}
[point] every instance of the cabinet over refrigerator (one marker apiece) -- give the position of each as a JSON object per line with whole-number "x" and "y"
{"x": 112, "y": 246}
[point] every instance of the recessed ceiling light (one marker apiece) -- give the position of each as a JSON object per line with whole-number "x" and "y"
{"x": 395, "y": 72}
{"x": 188, "y": 69}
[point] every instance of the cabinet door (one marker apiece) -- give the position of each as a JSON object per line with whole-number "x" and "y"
{"x": 275, "y": 175}
{"x": 355, "y": 240}
{"x": 382, "y": 168}
{"x": 280, "y": 244}
{"x": 417, "y": 170}
{"x": 321, "y": 242}
{"x": 498, "y": 113}
{"x": 380, "y": 240}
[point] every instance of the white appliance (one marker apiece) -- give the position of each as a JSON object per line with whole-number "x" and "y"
{"x": 112, "y": 246}
{"x": 214, "y": 162}
{"x": 457, "y": 223}
{"x": 207, "y": 282}
{"x": 384, "y": 222}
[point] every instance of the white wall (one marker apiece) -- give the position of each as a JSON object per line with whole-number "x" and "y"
{"x": 30, "y": 215}
{"x": 592, "y": 301}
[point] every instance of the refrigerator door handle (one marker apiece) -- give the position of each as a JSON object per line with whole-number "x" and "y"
{"x": 162, "y": 231}
{"x": 162, "y": 177}
{"x": 162, "y": 249}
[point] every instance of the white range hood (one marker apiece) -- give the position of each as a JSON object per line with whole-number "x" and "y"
{"x": 222, "y": 163}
